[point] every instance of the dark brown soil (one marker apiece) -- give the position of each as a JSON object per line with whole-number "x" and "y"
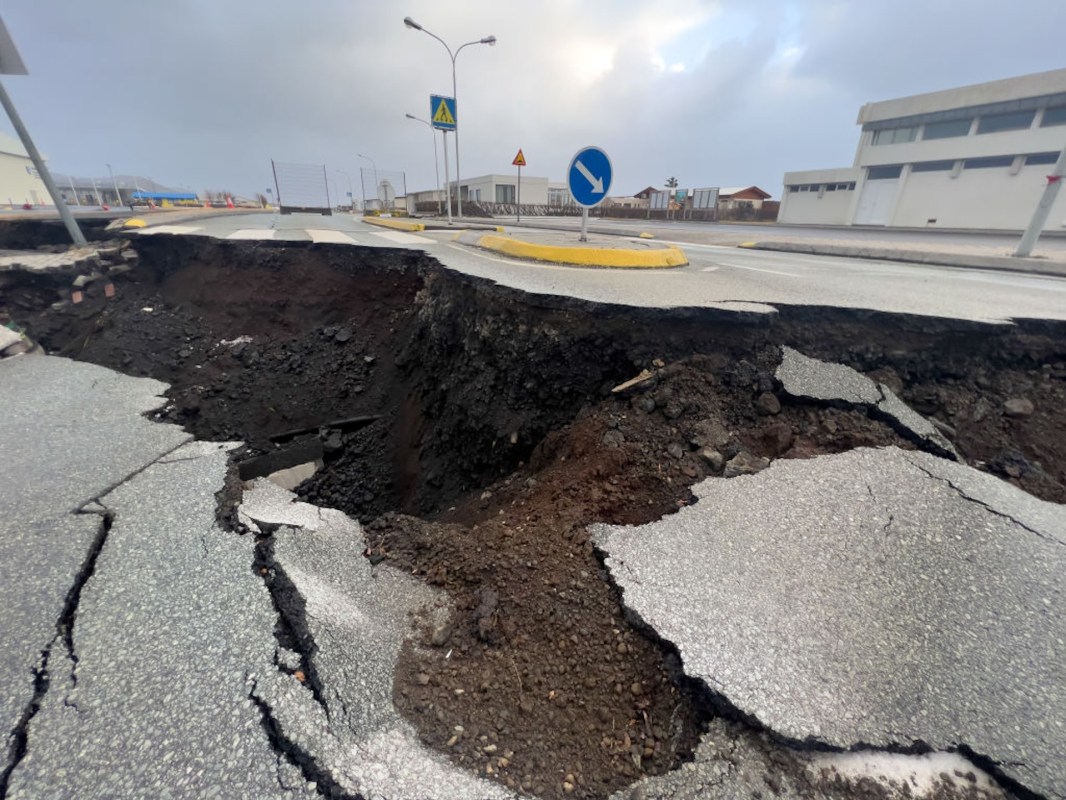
{"x": 549, "y": 683}
{"x": 500, "y": 440}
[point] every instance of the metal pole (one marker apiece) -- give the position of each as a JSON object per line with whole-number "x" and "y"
{"x": 447, "y": 178}
{"x": 518, "y": 206}
{"x": 42, "y": 170}
{"x": 436, "y": 167}
{"x": 362, "y": 188}
{"x": 455, "y": 99}
{"x": 584, "y": 224}
{"x": 96, "y": 192}
{"x": 118, "y": 195}
{"x": 277, "y": 189}
{"x": 73, "y": 191}
{"x": 325, "y": 178}
{"x": 1043, "y": 208}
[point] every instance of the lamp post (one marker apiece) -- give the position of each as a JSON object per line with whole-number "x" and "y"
{"x": 436, "y": 168}
{"x": 489, "y": 40}
{"x": 377, "y": 186}
{"x": 351, "y": 197}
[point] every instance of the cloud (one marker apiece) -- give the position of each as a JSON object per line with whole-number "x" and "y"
{"x": 204, "y": 93}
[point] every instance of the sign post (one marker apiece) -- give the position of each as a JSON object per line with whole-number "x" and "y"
{"x": 442, "y": 115}
{"x": 519, "y": 161}
{"x": 11, "y": 64}
{"x": 589, "y": 178}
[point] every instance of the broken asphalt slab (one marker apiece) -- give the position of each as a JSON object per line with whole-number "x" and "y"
{"x": 349, "y": 621}
{"x": 877, "y": 597}
{"x": 171, "y": 629}
{"x": 70, "y": 431}
{"x": 808, "y": 378}
{"x": 733, "y": 762}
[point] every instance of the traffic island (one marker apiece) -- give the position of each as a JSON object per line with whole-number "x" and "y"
{"x": 556, "y": 248}
{"x": 395, "y": 224}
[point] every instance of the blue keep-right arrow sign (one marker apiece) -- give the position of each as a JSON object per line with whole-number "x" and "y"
{"x": 589, "y": 176}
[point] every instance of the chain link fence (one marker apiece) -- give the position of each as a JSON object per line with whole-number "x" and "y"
{"x": 301, "y": 187}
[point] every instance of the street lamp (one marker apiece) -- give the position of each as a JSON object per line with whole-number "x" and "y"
{"x": 351, "y": 197}
{"x": 436, "y": 168}
{"x": 489, "y": 40}
{"x": 377, "y": 186}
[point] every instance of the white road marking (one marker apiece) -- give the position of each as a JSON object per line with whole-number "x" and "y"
{"x": 709, "y": 269}
{"x": 252, "y": 233}
{"x": 326, "y": 236}
{"x": 404, "y": 238}
{"x": 170, "y": 229}
{"x": 758, "y": 269}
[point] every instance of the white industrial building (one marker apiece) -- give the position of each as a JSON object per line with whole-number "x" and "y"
{"x": 973, "y": 157}
{"x": 19, "y": 182}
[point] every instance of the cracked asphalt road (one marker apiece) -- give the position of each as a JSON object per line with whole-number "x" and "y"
{"x": 876, "y": 596}
{"x": 141, "y": 655}
{"x": 85, "y": 421}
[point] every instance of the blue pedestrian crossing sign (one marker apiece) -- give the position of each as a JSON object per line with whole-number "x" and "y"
{"x": 589, "y": 176}
{"x": 442, "y": 112}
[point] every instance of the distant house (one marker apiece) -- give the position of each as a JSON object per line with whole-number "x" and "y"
{"x": 734, "y": 197}
{"x": 626, "y": 202}
{"x": 644, "y": 194}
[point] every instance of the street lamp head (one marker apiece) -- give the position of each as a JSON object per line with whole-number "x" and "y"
{"x": 410, "y": 23}
{"x": 489, "y": 40}
{"x": 410, "y": 116}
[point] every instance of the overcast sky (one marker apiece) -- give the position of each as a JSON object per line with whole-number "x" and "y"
{"x": 203, "y": 93}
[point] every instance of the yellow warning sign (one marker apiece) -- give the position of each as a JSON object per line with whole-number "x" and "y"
{"x": 519, "y": 160}
{"x": 443, "y": 115}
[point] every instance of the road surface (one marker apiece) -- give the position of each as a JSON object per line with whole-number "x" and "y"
{"x": 717, "y": 276}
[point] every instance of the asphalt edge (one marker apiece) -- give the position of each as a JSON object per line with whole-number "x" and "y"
{"x": 585, "y": 256}
{"x": 1003, "y": 263}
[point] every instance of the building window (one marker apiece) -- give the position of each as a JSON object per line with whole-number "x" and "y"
{"x": 505, "y": 192}
{"x": 1041, "y": 158}
{"x": 884, "y": 173}
{"x": 933, "y": 166}
{"x": 1053, "y": 116}
{"x": 1014, "y": 121}
{"x": 946, "y": 130}
{"x": 988, "y": 163}
{"x": 895, "y": 135}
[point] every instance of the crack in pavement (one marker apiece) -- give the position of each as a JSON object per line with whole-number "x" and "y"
{"x": 983, "y": 504}
{"x": 325, "y": 784}
{"x": 84, "y": 507}
{"x": 291, "y": 629}
{"x": 64, "y": 628}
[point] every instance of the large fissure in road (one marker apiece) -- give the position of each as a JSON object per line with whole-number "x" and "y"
{"x": 477, "y": 432}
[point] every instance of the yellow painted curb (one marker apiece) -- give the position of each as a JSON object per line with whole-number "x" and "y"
{"x": 748, "y": 245}
{"x": 586, "y": 256}
{"x": 398, "y": 224}
{"x": 647, "y": 235}
{"x": 135, "y": 223}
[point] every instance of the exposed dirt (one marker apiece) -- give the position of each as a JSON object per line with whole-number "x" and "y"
{"x": 499, "y": 440}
